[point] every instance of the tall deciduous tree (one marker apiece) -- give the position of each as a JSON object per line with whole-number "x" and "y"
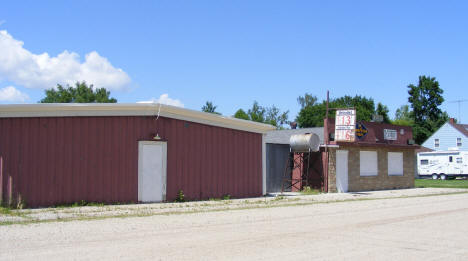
{"x": 425, "y": 99}
{"x": 270, "y": 115}
{"x": 403, "y": 116}
{"x": 382, "y": 110}
{"x": 81, "y": 93}
{"x": 241, "y": 114}
{"x": 275, "y": 117}
{"x": 306, "y": 100}
{"x": 210, "y": 108}
{"x": 313, "y": 115}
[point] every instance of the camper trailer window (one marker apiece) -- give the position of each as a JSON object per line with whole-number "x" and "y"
{"x": 424, "y": 162}
{"x": 450, "y": 159}
{"x": 459, "y": 160}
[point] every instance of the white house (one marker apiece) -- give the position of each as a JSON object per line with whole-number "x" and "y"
{"x": 449, "y": 137}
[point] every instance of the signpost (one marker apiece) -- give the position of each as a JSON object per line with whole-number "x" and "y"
{"x": 345, "y": 125}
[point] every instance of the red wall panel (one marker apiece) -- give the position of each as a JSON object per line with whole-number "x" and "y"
{"x": 58, "y": 160}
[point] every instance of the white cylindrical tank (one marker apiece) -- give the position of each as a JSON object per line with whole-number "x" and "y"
{"x": 304, "y": 142}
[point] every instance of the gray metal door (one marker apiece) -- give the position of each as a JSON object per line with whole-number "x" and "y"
{"x": 276, "y": 160}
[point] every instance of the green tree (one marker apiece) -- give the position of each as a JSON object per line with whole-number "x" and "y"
{"x": 403, "y": 113}
{"x": 81, "y": 93}
{"x": 312, "y": 116}
{"x": 383, "y": 111}
{"x": 257, "y": 113}
{"x": 425, "y": 99}
{"x": 403, "y": 116}
{"x": 275, "y": 117}
{"x": 306, "y": 100}
{"x": 270, "y": 115}
{"x": 364, "y": 106}
{"x": 241, "y": 114}
{"x": 210, "y": 108}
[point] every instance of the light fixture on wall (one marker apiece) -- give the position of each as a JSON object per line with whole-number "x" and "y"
{"x": 156, "y": 137}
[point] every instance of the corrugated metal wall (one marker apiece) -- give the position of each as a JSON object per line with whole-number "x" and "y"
{"x": 67, "y": 159}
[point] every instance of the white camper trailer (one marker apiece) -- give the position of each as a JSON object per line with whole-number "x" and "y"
{"x": 443, "y": 164}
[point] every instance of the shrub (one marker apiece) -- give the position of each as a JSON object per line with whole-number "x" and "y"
{"x": 180, "y": 196}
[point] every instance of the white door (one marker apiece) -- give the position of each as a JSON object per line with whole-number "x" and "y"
{"x": 152, "y": 171}
{"x": 342, "y": 170}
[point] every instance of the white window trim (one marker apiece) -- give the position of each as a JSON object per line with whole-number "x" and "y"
{"x": 374, "y": 165}
{"x": 392, "y": 164}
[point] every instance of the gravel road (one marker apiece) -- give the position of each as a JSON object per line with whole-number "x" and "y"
{"x": 416, "y": 228}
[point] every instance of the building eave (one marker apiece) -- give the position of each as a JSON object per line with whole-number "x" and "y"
{"x": 128, "y": 109}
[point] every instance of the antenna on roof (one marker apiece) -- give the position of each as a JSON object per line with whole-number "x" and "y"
{"x": 458, "y": 101}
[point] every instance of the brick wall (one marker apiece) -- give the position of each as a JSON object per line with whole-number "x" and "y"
{"x": 379, "y": 182}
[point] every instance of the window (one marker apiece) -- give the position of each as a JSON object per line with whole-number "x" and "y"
{"x": 395, "y": 163}
{"x": 459, "y": 143}
{"x": 459, "y": 160}
{"x": 368, "y": 163}
{"x": 424, "y": 162}
{"x": 436, "y": 143}
{"x": 450, "y": 159}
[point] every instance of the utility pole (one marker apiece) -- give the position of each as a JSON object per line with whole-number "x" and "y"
{"x": 459, "y": 102}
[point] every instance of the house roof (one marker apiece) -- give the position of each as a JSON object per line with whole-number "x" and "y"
{"x": 423, "y": 149}
{"x": 129, "y": 109}
{"x": 282, "y": 136}
{"x": 375, "y": 135}
{"x": 463, "y": 128}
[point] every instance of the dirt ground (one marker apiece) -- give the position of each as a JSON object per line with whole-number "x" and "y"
{"x": 414, "y": 228}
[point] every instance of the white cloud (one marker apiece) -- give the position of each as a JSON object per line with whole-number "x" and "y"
{"x": 41, "y": 71}
{"x": 164, "y": 99}
{"x": 11, "y": 94}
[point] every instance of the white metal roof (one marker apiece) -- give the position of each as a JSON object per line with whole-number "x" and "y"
{"x": 283, "y": 136}
{"x": 128, "y": 109}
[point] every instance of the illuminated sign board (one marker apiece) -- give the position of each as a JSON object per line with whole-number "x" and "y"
{"x": 345, "y": 125}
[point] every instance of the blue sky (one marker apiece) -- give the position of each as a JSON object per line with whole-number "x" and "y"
{"x": 235, "y": 52}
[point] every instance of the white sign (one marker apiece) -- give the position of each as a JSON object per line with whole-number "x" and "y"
{"x": 345, "y": 125}
{"x": 390, "y": 134}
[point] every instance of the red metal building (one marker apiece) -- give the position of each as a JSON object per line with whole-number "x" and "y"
{"x": 62, "y": 153}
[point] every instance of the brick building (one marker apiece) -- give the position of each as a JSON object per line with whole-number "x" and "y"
{"x": 382, "y": 157}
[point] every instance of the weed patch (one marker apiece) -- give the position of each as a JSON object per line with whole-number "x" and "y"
{"x": 309, "y": 191}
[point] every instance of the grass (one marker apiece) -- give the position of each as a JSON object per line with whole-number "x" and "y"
{"x": 5, "y": 211}
{"x": 12, "y": 212}
{"x": 433, "y": 183}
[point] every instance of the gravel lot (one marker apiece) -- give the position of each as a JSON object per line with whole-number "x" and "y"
{"x": 409, "y": 228}
{"x": 83, "y": 213}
